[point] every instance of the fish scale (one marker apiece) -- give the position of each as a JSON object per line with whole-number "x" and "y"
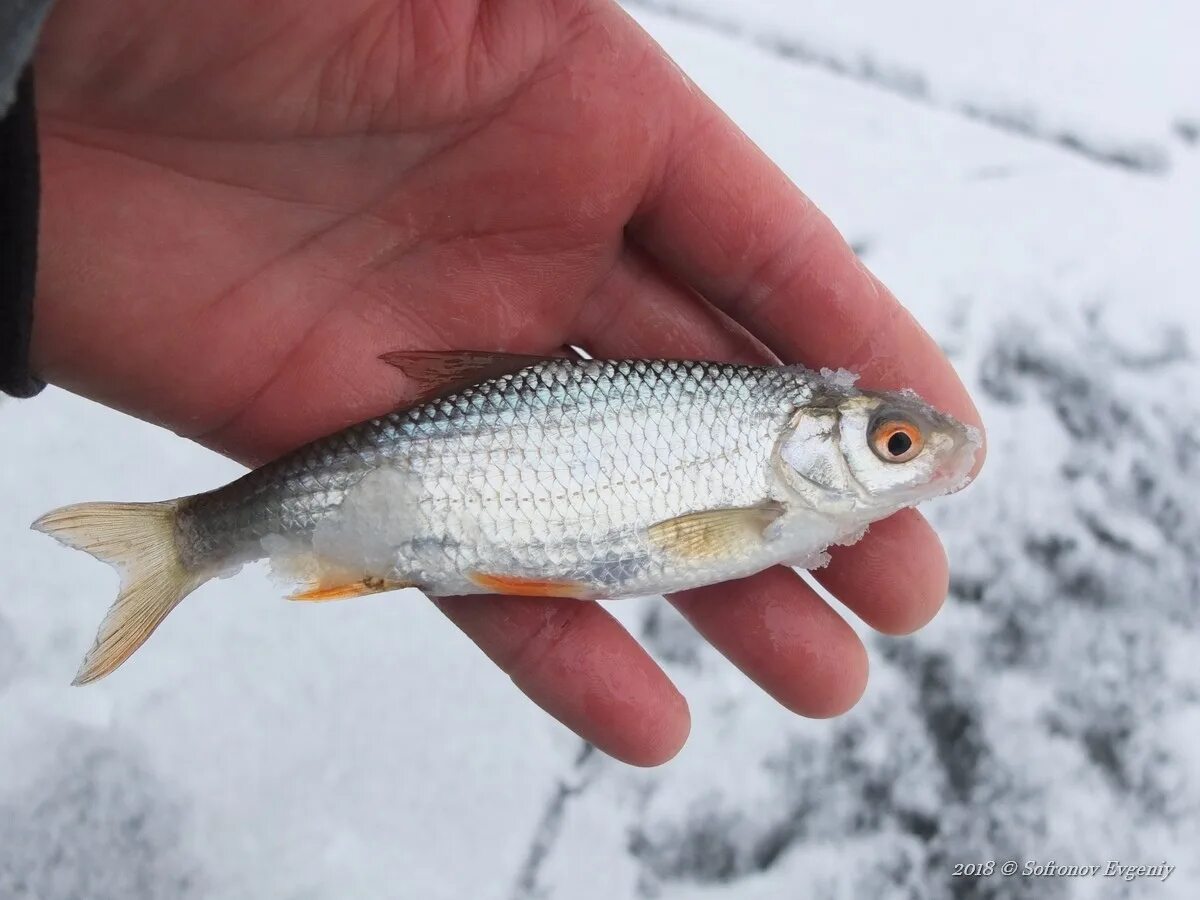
{"x": 597, "y": 468}
{"x": 561, "y": 458}
{"x": 552, "y": 477}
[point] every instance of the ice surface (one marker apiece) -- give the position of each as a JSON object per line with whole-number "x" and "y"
{"x": 278, "y": 749}
{"x": 365, "y": 749}
{"x": 1114, "y": 82}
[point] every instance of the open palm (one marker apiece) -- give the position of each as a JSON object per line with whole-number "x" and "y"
{"x": 245, "y": 204}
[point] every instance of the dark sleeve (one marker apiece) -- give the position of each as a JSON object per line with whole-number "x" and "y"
{"x": 20, "y": 22}
{"x": 18, "y": 239}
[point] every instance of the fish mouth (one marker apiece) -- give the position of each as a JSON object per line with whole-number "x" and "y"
{"x": 955, "y": 472}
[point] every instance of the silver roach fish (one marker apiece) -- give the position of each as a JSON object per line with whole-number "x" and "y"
{"x": 541, "y": 477}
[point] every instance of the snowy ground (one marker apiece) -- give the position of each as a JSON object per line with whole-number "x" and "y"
{"x": 1027, "y": 177}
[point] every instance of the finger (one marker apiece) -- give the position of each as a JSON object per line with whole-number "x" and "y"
{"x": 895, "y": 579}
{"x": 725, "y": 220}
{"x": 638, "y": 310}
{"x": 576, "y": 662}
{"x": 788, "y": 640}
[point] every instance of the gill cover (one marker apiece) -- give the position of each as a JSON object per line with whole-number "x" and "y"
{"x": 810, "y": 458}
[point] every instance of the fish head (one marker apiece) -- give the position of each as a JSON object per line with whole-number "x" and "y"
{"x": 873, "y": 453}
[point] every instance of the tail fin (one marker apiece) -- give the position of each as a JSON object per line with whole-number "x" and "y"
{"x": 138, "y": 540}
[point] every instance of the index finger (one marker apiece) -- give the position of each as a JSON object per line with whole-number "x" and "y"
{"x": 723, "y": 218}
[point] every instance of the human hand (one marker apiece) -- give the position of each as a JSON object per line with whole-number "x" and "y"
{"x": 245, "y": 204}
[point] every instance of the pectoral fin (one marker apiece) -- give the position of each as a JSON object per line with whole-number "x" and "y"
{"x": 368, "y": 585}
{"x": 436, "y": 372}
{"x": 714, "y": 532}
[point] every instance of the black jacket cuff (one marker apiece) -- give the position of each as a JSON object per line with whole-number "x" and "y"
{"x": 19, "y": 195}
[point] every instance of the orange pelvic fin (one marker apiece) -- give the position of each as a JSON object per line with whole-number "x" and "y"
{"x": 368, "y": 585}
{"x": 531, "y": 587}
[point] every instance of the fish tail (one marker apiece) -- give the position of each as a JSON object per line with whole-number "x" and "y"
{"x": 139, "y": 541}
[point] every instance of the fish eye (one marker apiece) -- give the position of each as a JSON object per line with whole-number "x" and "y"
{"x": 896, "y": 440}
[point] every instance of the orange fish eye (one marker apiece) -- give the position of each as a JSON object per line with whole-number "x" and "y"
{"x": 896, "y": 441}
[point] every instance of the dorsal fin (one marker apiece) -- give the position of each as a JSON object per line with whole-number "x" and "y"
{"x": 437, "y": 372}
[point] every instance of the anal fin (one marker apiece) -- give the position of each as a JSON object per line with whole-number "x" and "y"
{"x": 368, "y": 585}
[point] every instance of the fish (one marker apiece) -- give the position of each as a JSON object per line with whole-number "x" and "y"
{"x": 543, "y": 477}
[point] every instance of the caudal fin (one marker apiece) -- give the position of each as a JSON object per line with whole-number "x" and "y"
{"x": 138, "y": 540}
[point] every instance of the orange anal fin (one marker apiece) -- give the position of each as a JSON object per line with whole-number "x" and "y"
{"x": 368, "y": 585}
{"x": 531, "y": 587}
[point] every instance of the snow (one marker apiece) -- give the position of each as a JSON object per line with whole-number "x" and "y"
{"x": 1116, "y": 82}
{"x": 264, "y": 747}
{"x": 1051, "y": 712}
